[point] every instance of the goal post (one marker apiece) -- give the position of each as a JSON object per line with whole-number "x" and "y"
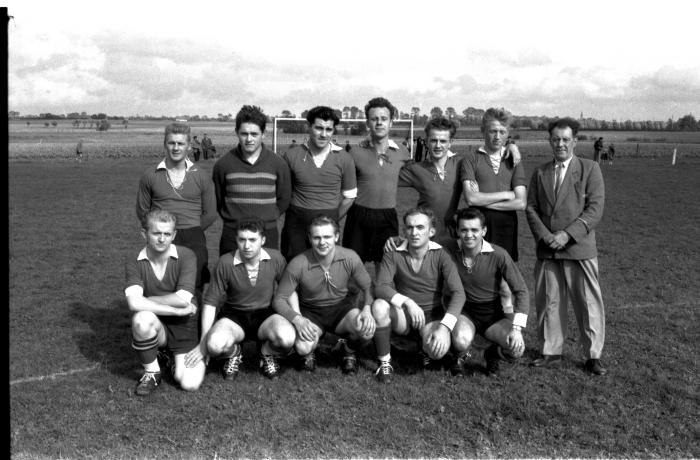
{"x": 287, "y": 131}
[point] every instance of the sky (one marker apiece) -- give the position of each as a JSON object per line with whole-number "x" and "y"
{"x": 609, "y": 59}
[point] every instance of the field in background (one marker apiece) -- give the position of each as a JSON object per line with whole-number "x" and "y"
{"x": 72, "y": 371}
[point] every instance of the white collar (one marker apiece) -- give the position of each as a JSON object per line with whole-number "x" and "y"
{"x": 188, "y": 164}
{"x": 237, "y": 260}
{"x": 431, "y": 246}
{"x": 565, "y": 163}
{"x": 485, "y": 246}
{"x": 172, "y": 252}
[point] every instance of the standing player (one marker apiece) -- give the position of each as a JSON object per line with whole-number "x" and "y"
{"x": 314, "y": 297}
{"x": 372, "y": 218}
{"x": 251, "y": 182}
{"x": 179, "y": 186}
{"x": 244, "y": 282}
{"x": 418, "y": 290}
{"x": 159, "y": 291}
{"x": 323, "y": 180}
{"x": 483, "y": 268}
{"x": 437, "y": 179}
{"x": 565, "y": 205}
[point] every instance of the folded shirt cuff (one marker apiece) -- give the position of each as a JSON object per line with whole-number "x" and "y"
{"x": 520, "y": 319}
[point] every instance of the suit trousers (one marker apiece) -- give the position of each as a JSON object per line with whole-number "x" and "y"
{"x": 557, "y": 281}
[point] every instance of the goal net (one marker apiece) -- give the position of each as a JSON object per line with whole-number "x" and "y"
{"x": 289, "y": 131}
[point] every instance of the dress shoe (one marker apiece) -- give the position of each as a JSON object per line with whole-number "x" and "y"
{"x": 547, "y": 361}
{"x": 594, "y": 367}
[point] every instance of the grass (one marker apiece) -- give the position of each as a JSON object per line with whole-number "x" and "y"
{"x": 72, "y": 225}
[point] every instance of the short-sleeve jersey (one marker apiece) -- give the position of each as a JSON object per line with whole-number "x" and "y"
{"x": 180, "y": 273}
{"x": 377, "y": 183}
{"x": 477, "y": 167}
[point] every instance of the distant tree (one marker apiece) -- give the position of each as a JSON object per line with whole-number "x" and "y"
{"x": 687, "y": 123}
{"x": 304, "y": 113}
{"x": 125, "y": 122}
{"x": 286, "y": 114}
{"x": 450, "y": 113}
{"x": 355, "y": 112}
{"x": 46, "y": 124}
{"x": 103, "y": 125}
{"x": 338, "y": 113}
{"x": 54, "y": 123}
{"x": 435, "y": 112}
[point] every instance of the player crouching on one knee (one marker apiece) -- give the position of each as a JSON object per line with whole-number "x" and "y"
{"x": 244, "y": 284}
{"x": 160, "y": 286}
{"x": 483, "y": 268}
{"x": 412, "y": 283}
{"x": 314, "y": 297}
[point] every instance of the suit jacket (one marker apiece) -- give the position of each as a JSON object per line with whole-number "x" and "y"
{"x": 577, "y": 209}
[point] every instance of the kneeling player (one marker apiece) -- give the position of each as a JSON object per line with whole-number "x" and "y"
{"x": 482, "y": 268}
{"x": 160, "y": 286}
{"x": 244, "y": 283}
{"x": 314, "y": 296}
{"x": 411, "y": 284}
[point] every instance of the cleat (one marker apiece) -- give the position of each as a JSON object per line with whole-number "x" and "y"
{"x": 457, "y": 367}
{"x": 308, "y": 362}
{"x": 269, "y": 367}
{"x": 232, "y": 366}
{"x": 384, "y": 372}
{"x": 148, "y": 382}
{"x": 349, "y": 365}
{"x": 426, "y": 363}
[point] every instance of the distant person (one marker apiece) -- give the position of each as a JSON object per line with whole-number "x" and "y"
{"x": 564, "y": 206}
{"x": 293, "y": 143}
{"x": 597, "y": 148}
{"x": 348, "y": 147}
{"x": 196, "y": 148}
{"x": 251, "y": 182}
{"x": 79, "y": 151}
{"x": 418, "y": 293}
{"x": 378, "y": 159}
{"x": 241, "y": 290}
{"x": 177, "y": 185}
{"x": 483, "y": 311}
{"x": 159, "y": 290}
{"x": 420, "y": 147}
{"x": 323, "y": 180}
{"x": 611, "y": 153}
{"x": 315, "y": 298}
{"x": 208, "y": 148}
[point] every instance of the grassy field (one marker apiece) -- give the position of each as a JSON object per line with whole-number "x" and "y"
{"x": 72, "y": 371}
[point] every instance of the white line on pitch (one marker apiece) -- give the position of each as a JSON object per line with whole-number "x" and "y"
{"x": 54, "y": 375}
{"x": 649, "y": 305}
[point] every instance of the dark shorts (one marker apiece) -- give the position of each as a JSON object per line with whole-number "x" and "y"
{"x": 502, "y": 230}
{"x": 249, "y": 321}
{"x": 194, "y": 239}
{"x": 328, "y": 318}
{"x": 182, "y": 333}
{"x": 296, "y": 227}
{"x": 366, "y": 231}
{"x": 227, "y": 243}
{"x": 483, "y": 315}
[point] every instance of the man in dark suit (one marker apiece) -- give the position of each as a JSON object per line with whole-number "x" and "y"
{"x": 565, "y": 204}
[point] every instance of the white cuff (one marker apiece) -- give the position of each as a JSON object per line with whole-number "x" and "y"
{"x": 398, "y": 300}
{"x": 520, "y": 319}
{"x": 449, "y": 320}
{"x": 352, "y": 193}
{"x": 134, "y": 289}
{"x": 184, "y": 295}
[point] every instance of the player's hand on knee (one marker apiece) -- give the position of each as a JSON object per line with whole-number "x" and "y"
{"x": 415, "y": 313}
{"x": 439, "y": 341}
{"x": 194, "y": 356}
{"x": 305, "y": 328}
{"x": 515, "y": 341}
{"x": 366, "y": 324}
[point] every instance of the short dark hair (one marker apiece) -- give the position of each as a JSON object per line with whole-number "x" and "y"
{"x": 321, "y": 220}
{"x": 380, "y": 102}
{"x": 177, "y": 128}
{"x": 251, "y": 114}
{"x": 471, "y": 213}
{"x": 251, "y": 225}
{"x": 567, "y": 122}
{"x": 323, "y": 112}
{"x": 421, "y": 210}
{"x": 441, "y": 124}
{"x": 499, "y": 114}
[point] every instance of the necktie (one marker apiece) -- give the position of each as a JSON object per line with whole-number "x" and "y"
{"x": 558, "y": 177}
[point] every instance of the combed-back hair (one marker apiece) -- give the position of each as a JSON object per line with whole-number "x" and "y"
{"x": 471, "y": 213}
{"x": 421, "y": 210}
{"x": 323, "y": 112}
{"x": 251, "y": 225}
{"x": 251, "y": 114}
{"x": 323, "y": 219}
{"x": 381, "y": 102}
{"x": 158, "y": 215}
{"x": 177, "y": 128}
{"x": 566, "y": 122}
{"x": 441, "y": 124}
{"x": 501, "y": 115}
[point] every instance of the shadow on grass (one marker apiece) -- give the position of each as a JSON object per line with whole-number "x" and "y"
{"x": 108, "y": 341}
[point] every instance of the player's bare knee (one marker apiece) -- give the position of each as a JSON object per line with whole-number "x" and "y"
{"x": 219, "y": 343}
{"x": 143, "y": 324}
{"x": 380, "y": 311}
{"x": 303, "y": 347}
{"x": 461, "y": 340}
